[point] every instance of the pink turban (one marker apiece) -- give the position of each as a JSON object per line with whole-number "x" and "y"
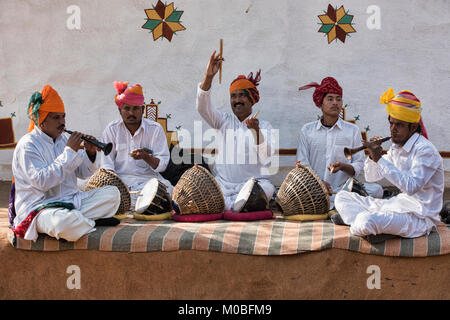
{"x": 128, "y": 95}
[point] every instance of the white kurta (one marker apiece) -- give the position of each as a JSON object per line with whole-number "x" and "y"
{"x": 238, "y": 158}
{"x": 417, "y": 170}
{"x": 136, "y": 173}
{"x": 46, "y": 171}
{"x": 319, "y": 146}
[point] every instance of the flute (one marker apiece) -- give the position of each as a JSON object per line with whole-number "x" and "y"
{"x": 105, "y": 147}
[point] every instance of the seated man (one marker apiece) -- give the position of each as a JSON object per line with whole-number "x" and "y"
{"x": 412, "y": 164}
{"x": 140, "y": 150}
{"x": 244, "y": 143}
{"x": 45, "y": 166}
{"x": 322, "y": 142}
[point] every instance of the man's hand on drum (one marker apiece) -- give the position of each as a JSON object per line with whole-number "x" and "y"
{"x": 375, "y": 149}
{"x": 328, "y": 186}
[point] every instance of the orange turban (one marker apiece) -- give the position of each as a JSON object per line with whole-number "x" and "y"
{"x": 248, "y": 84}
{"x": 41, "y": 103}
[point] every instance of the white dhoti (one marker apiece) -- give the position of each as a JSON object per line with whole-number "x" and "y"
{"x": 73, "y": 224}
{"x": 373, "y": 190}
{"x": 231, "y": 190}
{"x": 399, "y": 215}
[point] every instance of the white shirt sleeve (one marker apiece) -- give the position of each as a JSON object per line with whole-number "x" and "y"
{"x": 107, "y": 162}
{"x": 43, "y": 176}
{"x": 267, "y": 148}
{"x": 359, "y": 157}
{"x": 87, "y": 167}
{"x": 423, "y": 167}
{"x": 372, "y": 171}
{"x": 160, "y": 149}
{"x": 207, "y": 111}
{"x": 303, "y": 149}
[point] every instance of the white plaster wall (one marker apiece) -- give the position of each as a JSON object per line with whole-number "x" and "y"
{"x": 411, "y": 51}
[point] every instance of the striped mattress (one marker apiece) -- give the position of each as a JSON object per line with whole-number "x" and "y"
{"x": 267, "y": 237}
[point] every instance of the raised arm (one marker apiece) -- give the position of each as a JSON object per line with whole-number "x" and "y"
{"x": 211, "y": 70}
{"x": 204, "y": 106}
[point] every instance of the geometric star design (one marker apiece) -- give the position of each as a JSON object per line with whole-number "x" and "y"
{"x": 337, "y": 24}
{"x": 163, "y": 21}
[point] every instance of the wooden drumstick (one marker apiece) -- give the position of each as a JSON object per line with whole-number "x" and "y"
{"x": 220, "y": 55}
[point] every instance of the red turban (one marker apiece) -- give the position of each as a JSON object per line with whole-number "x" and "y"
{"x": 248, "y": 84}
{"x": 328, "y": 85}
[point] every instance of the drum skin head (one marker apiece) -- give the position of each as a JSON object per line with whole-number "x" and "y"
{"x": 348, "y": 185}
{"x": 243, "y": 195}
{"x": 250, "y": 198}
{"x": 146, "y": 195}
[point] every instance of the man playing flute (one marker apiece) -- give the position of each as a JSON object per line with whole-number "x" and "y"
{"x": 46, "y": 165}
{"x": 412, "y": 164}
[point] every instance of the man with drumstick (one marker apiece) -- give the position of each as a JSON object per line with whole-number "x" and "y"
{"x": 233, "y": 129}
{"x": 140, "y": 149}
{"x": 322, "y": 142}
{"x": 45, "y": 166}
{"x": 412, "y": 164}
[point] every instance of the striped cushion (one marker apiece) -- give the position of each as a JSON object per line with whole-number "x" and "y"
{"x": 265, "y": 237}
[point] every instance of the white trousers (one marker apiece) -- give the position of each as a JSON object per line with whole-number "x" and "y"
{"x": 373, "y": 189}
{"x": 367, "y": 215}
{"x": 73, "y": 224}
{"x": 231, "y": 190}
